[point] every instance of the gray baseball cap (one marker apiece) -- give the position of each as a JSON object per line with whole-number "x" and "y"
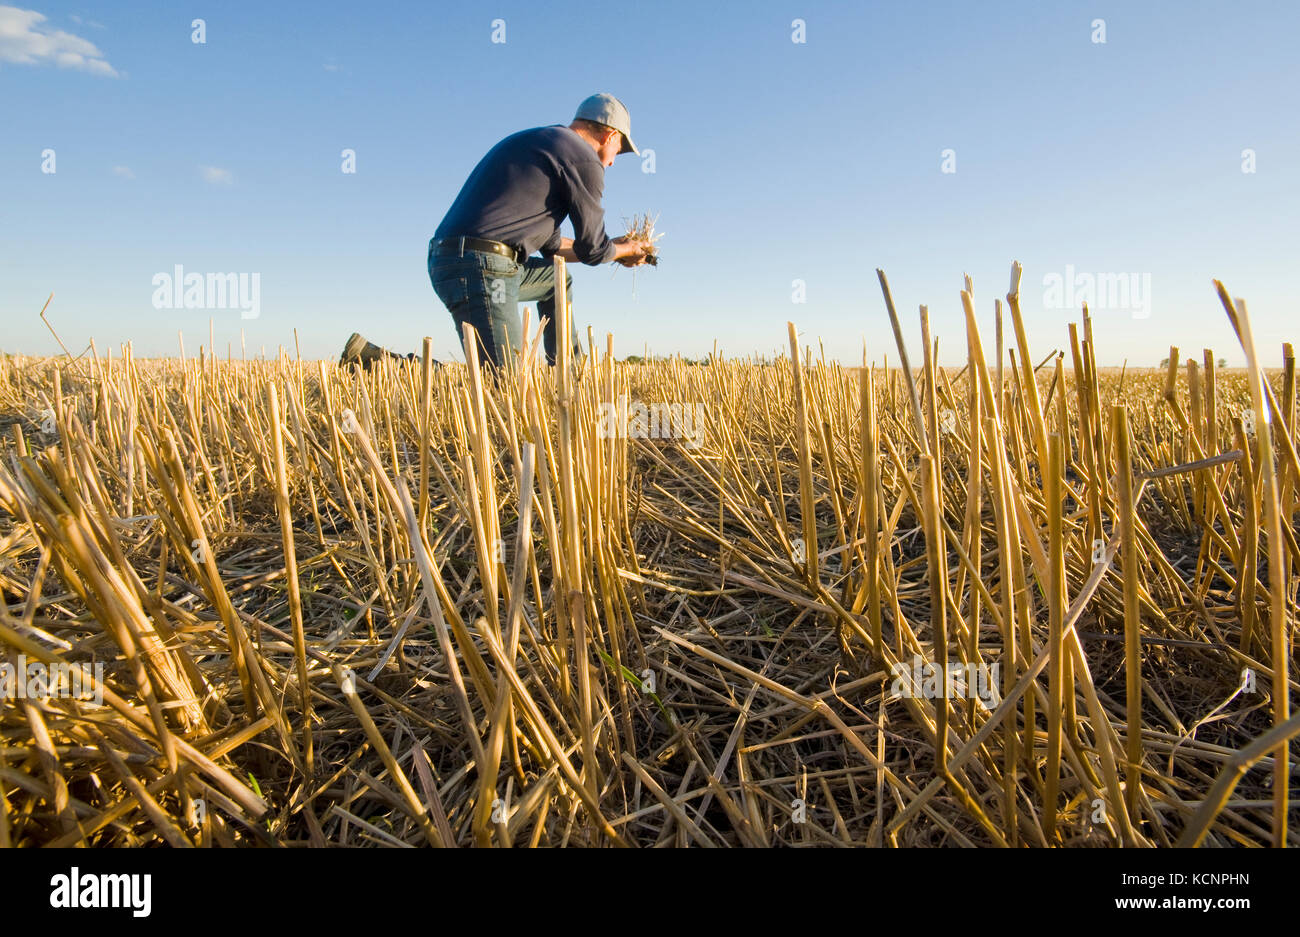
{"x": 610, "y": 111}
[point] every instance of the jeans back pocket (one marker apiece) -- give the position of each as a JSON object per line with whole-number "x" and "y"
{"x": 453, "y": 291}
{"x": 497, "y": 265}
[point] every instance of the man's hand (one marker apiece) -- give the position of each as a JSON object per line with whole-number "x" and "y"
{"x": 632, "y": 252}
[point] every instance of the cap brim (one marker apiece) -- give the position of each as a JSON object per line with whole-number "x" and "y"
{"x": 628, "y": 146}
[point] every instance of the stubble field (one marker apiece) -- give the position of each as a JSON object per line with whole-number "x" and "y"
{"x": 1027, "y": 602}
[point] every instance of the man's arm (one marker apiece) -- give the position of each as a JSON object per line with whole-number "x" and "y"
{"x": 593, "y": 246}
{"x": 629, "y": 253}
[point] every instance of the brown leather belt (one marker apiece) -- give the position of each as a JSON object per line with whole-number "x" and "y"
{"x": 458, "y": 245}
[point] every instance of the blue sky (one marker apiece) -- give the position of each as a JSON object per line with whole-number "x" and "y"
{"x": 775, "y": 161}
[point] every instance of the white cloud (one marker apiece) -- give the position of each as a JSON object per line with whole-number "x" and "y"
{"x": 217, "y": 176}
{"x": 25, "y": 41}
{"x": 331, "y": 68}
{"x": 123, "y": 171}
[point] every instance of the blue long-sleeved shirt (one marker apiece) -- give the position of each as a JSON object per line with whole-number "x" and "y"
{"x": 525, "y": 186}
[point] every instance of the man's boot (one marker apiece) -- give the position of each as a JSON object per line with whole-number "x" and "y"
{"x": 359, "y": 351}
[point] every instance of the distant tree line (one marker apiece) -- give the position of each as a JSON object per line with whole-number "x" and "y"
{"x": 1223, "y": 362}
{"x": 638, "y": 359}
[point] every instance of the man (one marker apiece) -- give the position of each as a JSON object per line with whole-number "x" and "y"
{"x": 480, "y": 258}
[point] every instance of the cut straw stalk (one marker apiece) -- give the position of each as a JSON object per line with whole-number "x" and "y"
{"x": 807, "y": 514}
{"x": 1132, "y": 621}
{"x": 871, "y": 504}
{"x": 1277, "y": 565}
{"x": 572, "y": 579}
{"x": 291, "y": 580}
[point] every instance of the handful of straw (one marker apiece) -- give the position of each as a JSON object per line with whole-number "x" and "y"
{"x": 642, "y": 228}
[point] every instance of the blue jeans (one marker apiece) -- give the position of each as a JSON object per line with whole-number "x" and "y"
{"x": 485, "y": 290}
